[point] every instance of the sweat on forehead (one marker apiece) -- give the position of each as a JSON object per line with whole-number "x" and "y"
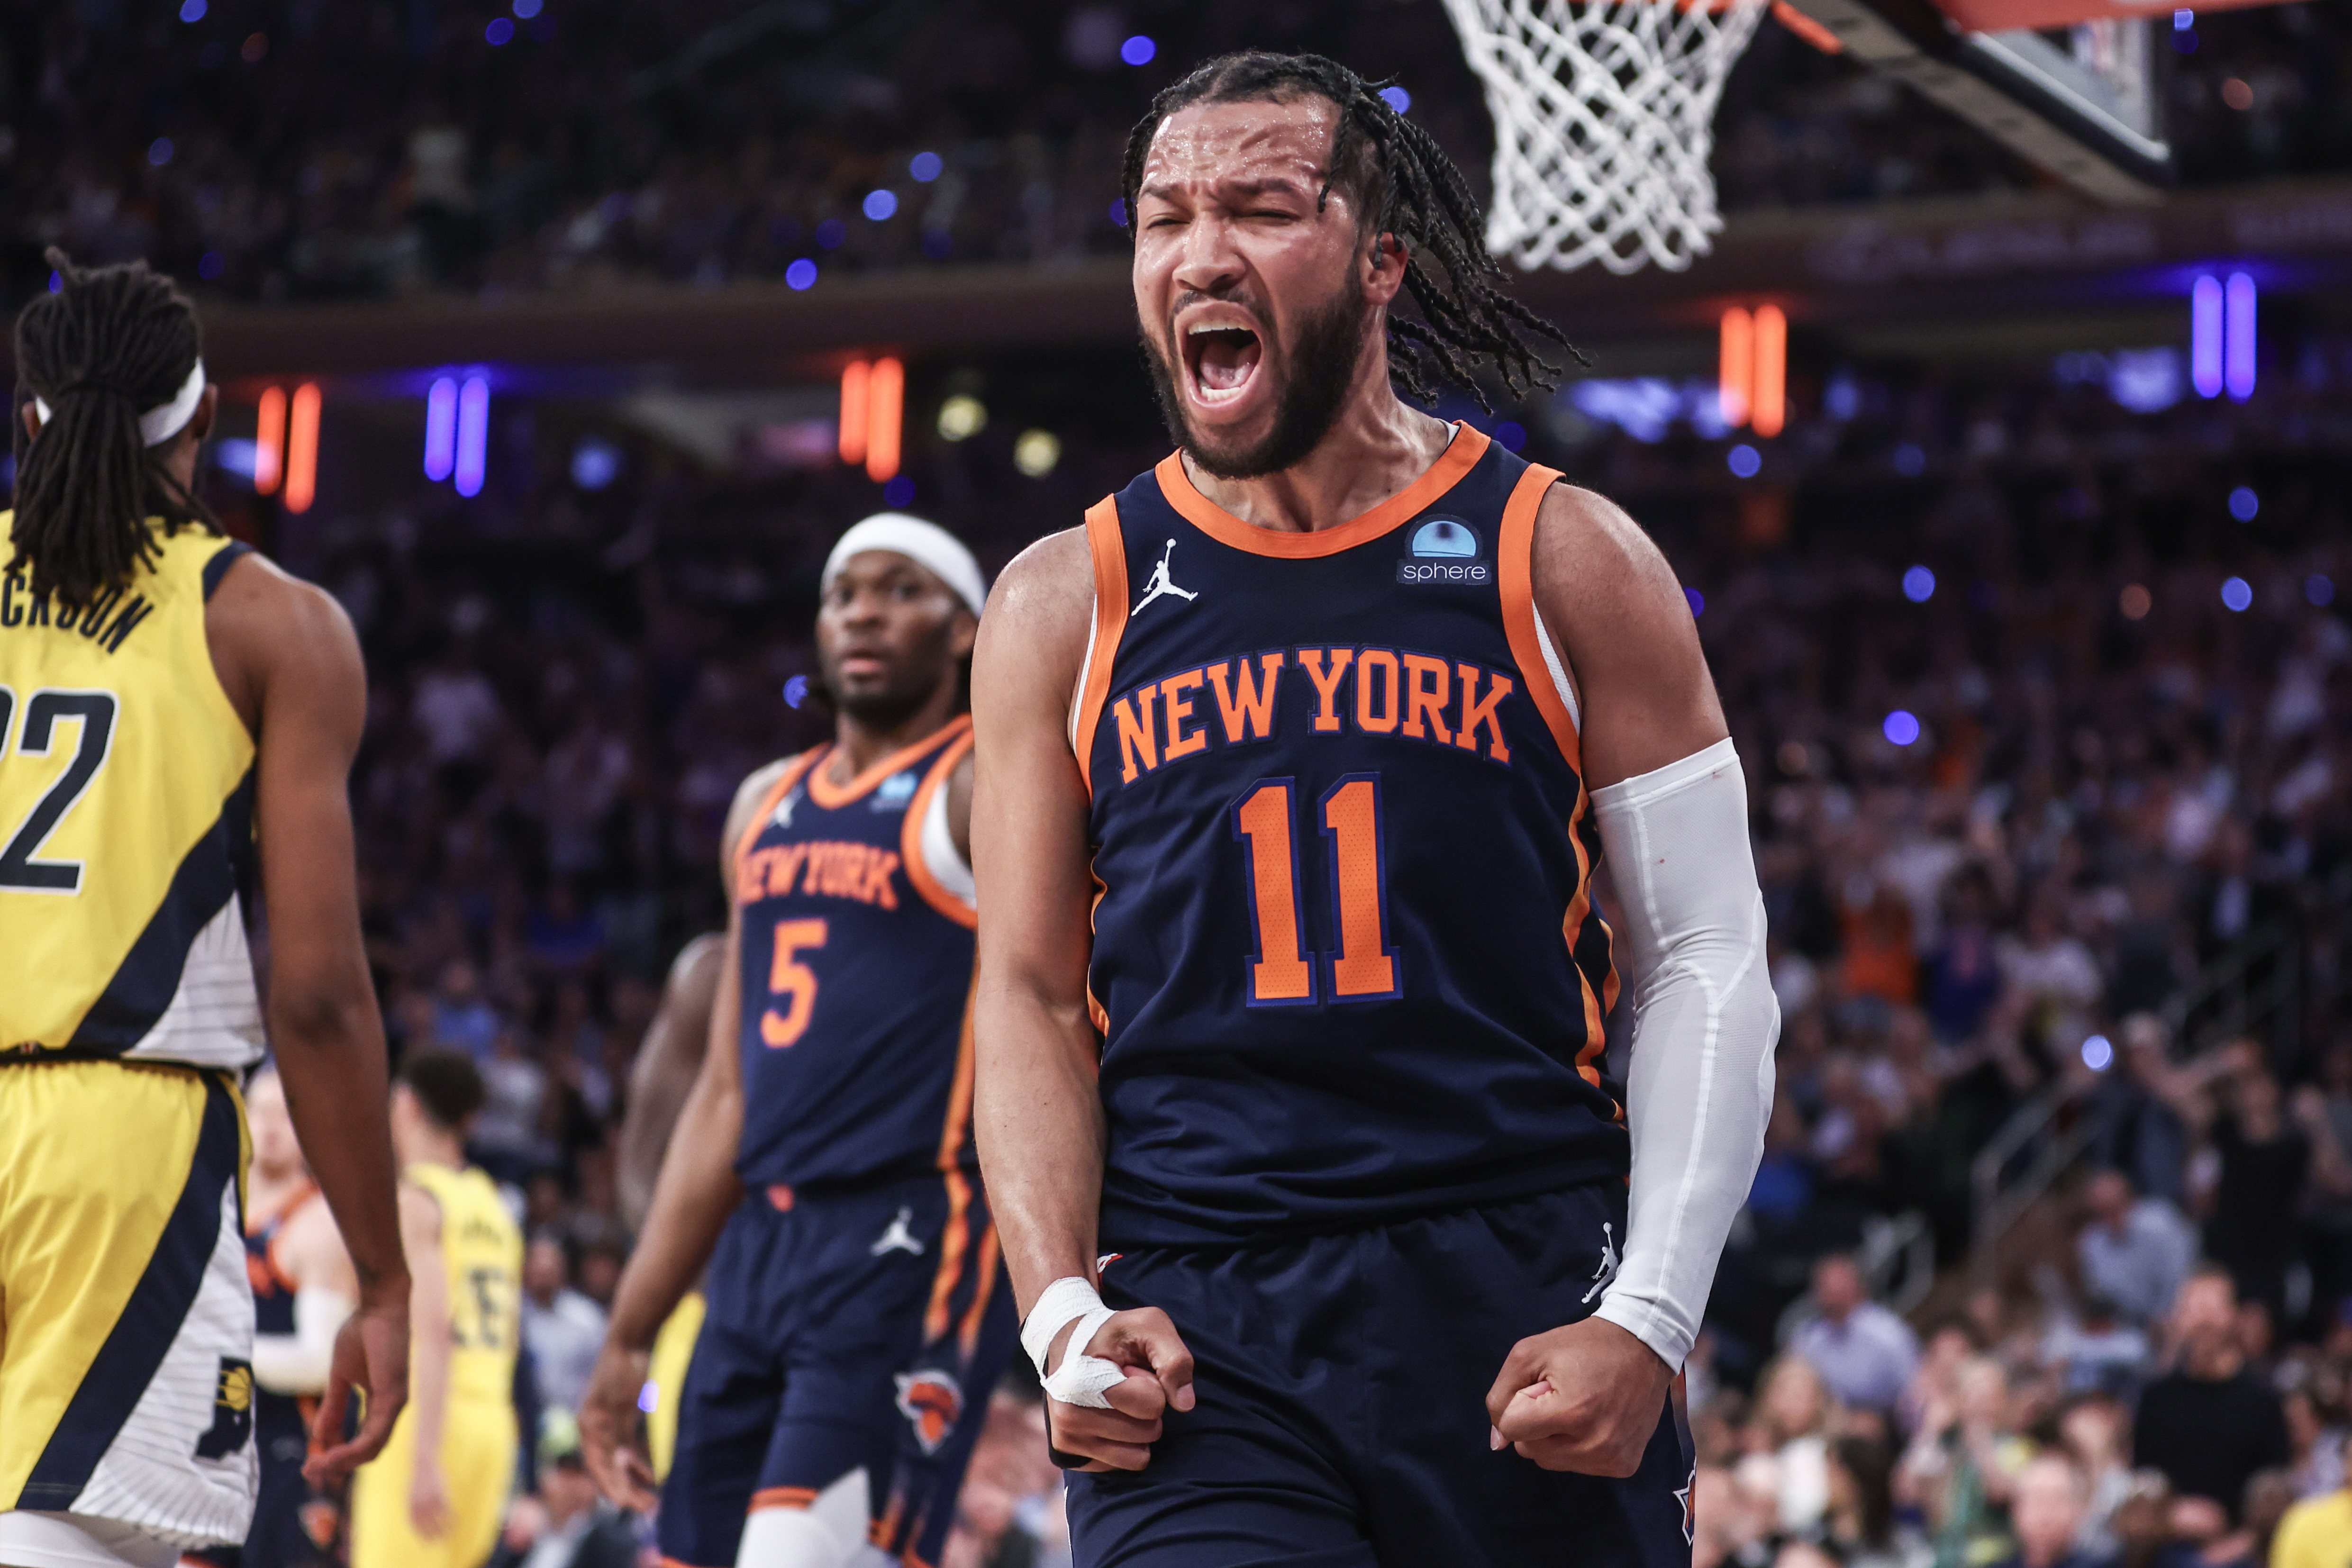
{"x": 1205, "y": 144}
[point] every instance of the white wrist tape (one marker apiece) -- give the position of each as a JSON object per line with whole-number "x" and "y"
{"x": 1082, "y": 1379}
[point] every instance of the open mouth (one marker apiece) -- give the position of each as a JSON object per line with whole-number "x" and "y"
{"x": 1223, "y": 360}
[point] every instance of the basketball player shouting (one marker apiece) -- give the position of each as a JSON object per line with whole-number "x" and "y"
{"x": 1292, "y": 986}
{"x": 168, "y": 702}
{"x": 824, "y": 1167}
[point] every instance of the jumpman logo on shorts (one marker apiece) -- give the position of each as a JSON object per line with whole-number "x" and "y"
{"x": 1160, "y": 584}
{"x": 1607, "y": 1270}
{"x": 898, "y": 1237}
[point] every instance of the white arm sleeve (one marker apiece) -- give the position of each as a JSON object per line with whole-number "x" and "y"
{"x": 296, "y": 1363}
{"x": 1699, "y": 1084}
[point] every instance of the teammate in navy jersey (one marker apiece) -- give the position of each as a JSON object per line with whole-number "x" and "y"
{"x": 1295, "y": 765}
{"x": 822, "y": 1168}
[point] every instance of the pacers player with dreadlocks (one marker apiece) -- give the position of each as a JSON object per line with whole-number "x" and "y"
{"x": 1295, "y": 766}
{"x": 167, "y": 698}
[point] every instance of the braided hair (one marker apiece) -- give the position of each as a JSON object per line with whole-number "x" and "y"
{"x": 109, "y": 342}
{"x": 1406, "y": 186}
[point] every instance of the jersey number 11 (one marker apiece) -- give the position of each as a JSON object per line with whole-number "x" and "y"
{"x": 1281, "y": 973}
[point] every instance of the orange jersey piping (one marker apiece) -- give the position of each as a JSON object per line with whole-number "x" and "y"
{"x": 910, "y": 840}
{"x": 1515, "y": 568}
{"x": 1461, "y": 456}
{"x": 832, "y": 797}
{"x": 1110, "y": 550}
{"x": 793, "y": 772}
{"x": 1514, "y": 579}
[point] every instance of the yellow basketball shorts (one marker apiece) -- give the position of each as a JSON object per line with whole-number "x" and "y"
{"x": 126, "y": 1319}
{"x": 478, "y": 1464}
{"x": 673, "y": 1352}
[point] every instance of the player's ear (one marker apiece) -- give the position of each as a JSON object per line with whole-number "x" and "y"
{"x": 1384, "y": 269}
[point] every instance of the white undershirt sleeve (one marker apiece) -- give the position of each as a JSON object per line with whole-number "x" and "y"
{"x": 297, "y": 1362}
{"x": 1699, "y": 1082}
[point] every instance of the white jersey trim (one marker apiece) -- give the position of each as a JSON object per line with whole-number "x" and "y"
{"x": 214, "y": 1016}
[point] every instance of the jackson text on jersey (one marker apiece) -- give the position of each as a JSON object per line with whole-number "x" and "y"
{"x": 1346, "y": 961}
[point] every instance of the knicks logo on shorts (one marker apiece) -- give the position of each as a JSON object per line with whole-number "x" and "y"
{"x": 232, "y": 1425}
{"x": 931, "y": 1401}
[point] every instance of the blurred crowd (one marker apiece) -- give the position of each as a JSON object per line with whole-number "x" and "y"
{"x": 2046, "y": 709}
{"x": 284, "y": 149}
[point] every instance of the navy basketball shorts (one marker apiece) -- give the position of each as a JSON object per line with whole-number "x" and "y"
{"x": 854, "y": 1328}
{"x": 1341, "y": 1420}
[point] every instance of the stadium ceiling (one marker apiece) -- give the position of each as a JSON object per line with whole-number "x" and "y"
{"x": 2048, "y": 264}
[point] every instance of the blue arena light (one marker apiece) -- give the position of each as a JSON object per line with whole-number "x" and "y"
{"x": 1697, "y": 600}
{"x": 192, "y": 10}
{"x": 1511, "y": 434}
{"x": 2098, "y": 1054}
{"x": 2320, "y": 589}
{"x": 2244, "y": 504}
{"x": 1902, "y": 727}
{"x": 830, "y": 233}
{"x": 527, "y": 9}
{"x": 2237, "y": 594}
{"x": 499, "y": 33}
{"x": 879, "y": 205}
{"x": 595, "y": 463}
{"x": 1745, "y": 461}
{"x": 1396, "y": 97}
{"x": 1910, "y": 461}
{"x": 899, "y": 490}
{"x": 796, "y": 691}
{"x": 211, "y": 264}
{"x": 1118, "y": 212}
{"x": 649, "y": 1396}
{"x": 2205, "y": 335}
{"x": 1918, "y": 585}
{"x": 925, "y": 167}
{"x": 56, "y": 282}
{"x": 2238, "y": 348}
{"x": 1139, "y": 50}
{"x": 2183, "y": 20}
{"x": 801, "y": 274}
{"x": 440, "y": 429}
{"x": 473, "y": 434}
{"x": 160, "y": 150}
{"x": 937, "y": 244}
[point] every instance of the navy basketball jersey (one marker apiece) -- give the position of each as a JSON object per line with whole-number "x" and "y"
{"x": 1346, "y": 963}
{"x": 273, "y": 1312}
{"x": 856, "y": 976}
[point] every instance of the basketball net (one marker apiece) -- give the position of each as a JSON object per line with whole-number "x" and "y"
{"x": 1602, "y": 115}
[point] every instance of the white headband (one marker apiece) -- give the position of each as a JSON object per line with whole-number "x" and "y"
{"x": 160, "y": 423}
{"x": 927, "y": 545}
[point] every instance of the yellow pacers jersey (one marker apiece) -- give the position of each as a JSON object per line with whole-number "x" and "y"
{"x": 481, "y": 1249}
{"x": 126, "y": 822}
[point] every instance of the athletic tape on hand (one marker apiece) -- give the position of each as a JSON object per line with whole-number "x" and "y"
{"x": 1082, "y": 1379}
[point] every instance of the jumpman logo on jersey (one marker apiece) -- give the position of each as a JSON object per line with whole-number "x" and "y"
{"x": 782, "y": 815}
{"x": 1160, "y": 584}
{"x": 1607, "y": 1270}
{"x": 898, "y": 1237}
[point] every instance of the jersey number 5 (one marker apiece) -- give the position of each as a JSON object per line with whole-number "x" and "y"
{"x": 93, "y": 713}
{"x": 791, "y": 982}
{"x": 1280, "y": 973}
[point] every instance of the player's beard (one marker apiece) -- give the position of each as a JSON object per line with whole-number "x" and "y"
{"x": 911, "y": 686}
{"x": 1317, "y": 369}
